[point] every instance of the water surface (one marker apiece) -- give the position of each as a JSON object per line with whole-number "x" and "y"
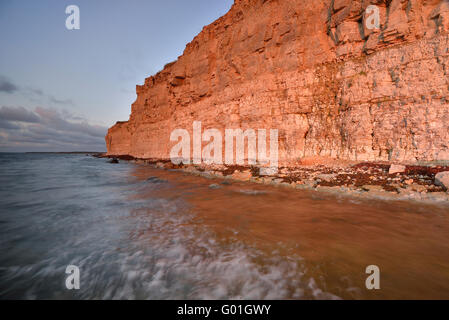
{"x": 142, "y": 233}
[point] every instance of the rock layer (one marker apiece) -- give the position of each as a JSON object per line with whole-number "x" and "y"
{"x": 312, "y": 70}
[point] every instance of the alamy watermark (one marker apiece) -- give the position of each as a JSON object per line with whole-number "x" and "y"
{"x": 72, "y": 282}
{"x": 212, "y": 153}
{"x": 73, "y": 20}
{"x": 372, "y": 17}
{"x": 373, "y": 281}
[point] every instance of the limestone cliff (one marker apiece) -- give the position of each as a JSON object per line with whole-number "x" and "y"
{"x": 311, "y": 69}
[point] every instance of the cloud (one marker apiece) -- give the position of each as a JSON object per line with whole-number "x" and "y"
{"x": 60, "y": 101}
{"x": 54, "y": 119}
{"x": 46, "y": 129}
{"x": 37, "y": 95}
{"x": 7, "y": 86}
{"x": 8, "y": 125}
{"x": 32, "y": 93}
{"x": 18, "y": 114}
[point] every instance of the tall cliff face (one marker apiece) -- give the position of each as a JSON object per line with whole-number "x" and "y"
{"x": 312, "y": 70}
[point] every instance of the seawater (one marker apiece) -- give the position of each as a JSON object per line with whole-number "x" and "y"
{"x": 137, "y": 232}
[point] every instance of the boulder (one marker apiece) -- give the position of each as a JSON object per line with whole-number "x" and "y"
{"x": 442, "y": 179}
{"x": 396, "y": 168}
{"x": 328, "y": 177}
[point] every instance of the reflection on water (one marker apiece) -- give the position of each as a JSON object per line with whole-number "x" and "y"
{"x": 138, "y": 232}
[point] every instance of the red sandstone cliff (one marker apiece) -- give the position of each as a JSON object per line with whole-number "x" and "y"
{"x": 313, "y": 70}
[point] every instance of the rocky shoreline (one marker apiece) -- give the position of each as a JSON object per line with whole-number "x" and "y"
{"x": 377, "y": 180}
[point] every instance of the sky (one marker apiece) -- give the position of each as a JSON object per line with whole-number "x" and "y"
{"x": 61, "y": 89}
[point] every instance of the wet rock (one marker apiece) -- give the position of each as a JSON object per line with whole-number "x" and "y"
{"x": 242, "y": 176}
{"x": 438, "y": 196}
{"x": 442, "y": 179}
{"x": 418, "y": 188}
{"x": 191, "y": 169}
{"x": 256, "y": 180}
{"x": 372, "y": 188}
{"x": 267, "y": 180}
{"x": 326, "y": 177}
{"x": 114, "y": 160}
{"x": 396, "y": 168}
{"x": 310, "y": 183}
{"x": 335, "y": 189}
{"x": 156, "y": 180}
{"x": 302, "y": 187}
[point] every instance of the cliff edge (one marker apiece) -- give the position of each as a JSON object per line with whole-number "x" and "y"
{"x": 313, "y": 70}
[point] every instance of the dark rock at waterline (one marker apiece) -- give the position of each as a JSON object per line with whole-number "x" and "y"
{"x": 124, "y": 157}
{"x": 156, "y": 180}
{"x": 114, "y": 160}
{"x": 99, "y": 155}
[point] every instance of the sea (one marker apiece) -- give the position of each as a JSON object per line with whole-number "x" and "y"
{"x": 131, "y": 231}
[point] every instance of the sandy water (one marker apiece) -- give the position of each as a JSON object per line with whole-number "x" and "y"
{"x": 141, "y": 233}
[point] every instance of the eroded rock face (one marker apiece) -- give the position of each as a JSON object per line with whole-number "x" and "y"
{"x": 311, "y": 69}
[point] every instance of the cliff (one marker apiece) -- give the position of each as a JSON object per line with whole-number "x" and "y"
{"x": 314, "y": 71}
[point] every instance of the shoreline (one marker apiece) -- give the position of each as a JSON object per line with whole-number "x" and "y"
{"x": 362, "y": 180}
